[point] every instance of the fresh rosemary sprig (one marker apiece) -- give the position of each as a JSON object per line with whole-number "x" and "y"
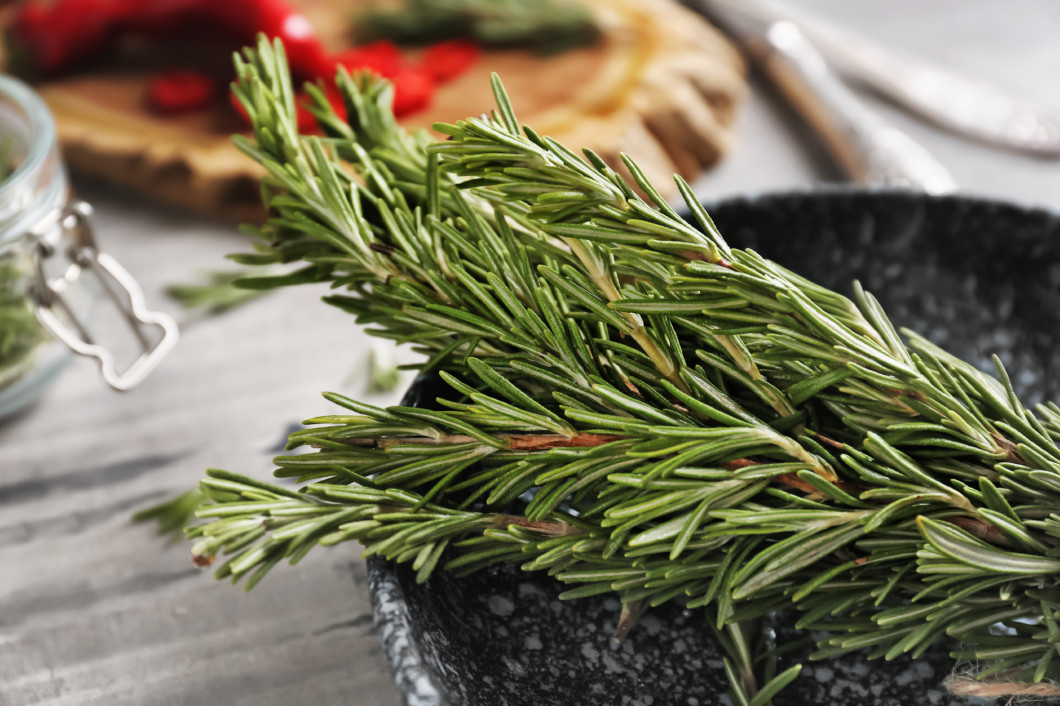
{"x": 549, "y": 26}
{"x": 217, "y": 293}
{"x": 634, "y": 406}
{"x": 174, "y": 514}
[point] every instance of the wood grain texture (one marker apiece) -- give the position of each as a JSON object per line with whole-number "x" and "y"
{"x": 662, "y": 86}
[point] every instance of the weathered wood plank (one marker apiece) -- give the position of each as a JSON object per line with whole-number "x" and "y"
{"x": 97, "y": 610}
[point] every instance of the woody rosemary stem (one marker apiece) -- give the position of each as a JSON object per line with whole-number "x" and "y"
{"x": 517, "y": 442}
{"x": 604, "y": 283}
{"x": 765, "y": 443}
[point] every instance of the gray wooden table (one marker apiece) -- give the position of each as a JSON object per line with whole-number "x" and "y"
{"x": 95, "y": 610}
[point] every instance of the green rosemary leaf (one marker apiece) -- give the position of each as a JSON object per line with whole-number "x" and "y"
{"x": 962, "y": 547}
{"x": 775, "y": 685}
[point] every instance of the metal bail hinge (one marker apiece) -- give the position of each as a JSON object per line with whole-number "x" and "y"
{"x": 55, "y": 314}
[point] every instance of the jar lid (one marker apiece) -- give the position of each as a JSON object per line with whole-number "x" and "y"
{"x": 34, "y": 210}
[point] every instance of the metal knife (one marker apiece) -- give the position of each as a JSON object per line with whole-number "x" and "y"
{"x": 864, "y": 145}
{"x": 971, "y": 108}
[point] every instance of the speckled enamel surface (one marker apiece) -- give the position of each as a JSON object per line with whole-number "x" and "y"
{"x": 503, "y": 637}
{"x": 974, "y": 276}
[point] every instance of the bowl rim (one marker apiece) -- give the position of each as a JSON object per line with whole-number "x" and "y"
{"x": 832, "y": 190}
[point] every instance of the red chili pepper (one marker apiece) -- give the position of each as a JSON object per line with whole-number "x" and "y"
{"x": 53, "y": 36}
{"x": 176, "y": 92}
{"x": 46, "y": 39}
{"x": 413, "y": 91}
{"x": 382, "y": 58}
{"x": 50, "y": 36}
{"x": 447, "y": 60}
{"x": 306, "y": 56}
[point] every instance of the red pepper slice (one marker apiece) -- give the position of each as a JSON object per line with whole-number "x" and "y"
{"x": 382, "y": 58}
{"x": 413, "y": 90}
{"x": 54, "y": 35}
{"x": 177, "y": 92}
{"x": 306, "y": 55}
{"x": 447, "y": 60}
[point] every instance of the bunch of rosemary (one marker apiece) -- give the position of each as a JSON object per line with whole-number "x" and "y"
{"x": 687, "y": 419}
{"x": 20, "y": 332}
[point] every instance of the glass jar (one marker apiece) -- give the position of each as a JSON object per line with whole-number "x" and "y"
{"x": 52, "y": 275}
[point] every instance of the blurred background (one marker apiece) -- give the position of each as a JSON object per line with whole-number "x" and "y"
{"x": 1005, "y": 46}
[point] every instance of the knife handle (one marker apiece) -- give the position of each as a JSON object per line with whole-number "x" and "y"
{"x": 866, "y": 147}
{"x": 964, "y": 106}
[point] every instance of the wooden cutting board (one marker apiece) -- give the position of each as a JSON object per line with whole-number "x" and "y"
{"x": 662, "y": 86}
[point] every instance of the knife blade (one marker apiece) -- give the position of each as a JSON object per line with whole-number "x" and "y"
{"x": 868, "y": 149}
{"x": 961, "y": 105}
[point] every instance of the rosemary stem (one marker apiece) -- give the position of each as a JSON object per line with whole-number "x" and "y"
{"x": 602, "y": 279}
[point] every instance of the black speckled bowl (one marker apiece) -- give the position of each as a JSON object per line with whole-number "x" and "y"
{"x": 977, "y": 277}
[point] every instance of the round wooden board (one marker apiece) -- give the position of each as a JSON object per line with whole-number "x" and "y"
{"x": 662, "y": 86}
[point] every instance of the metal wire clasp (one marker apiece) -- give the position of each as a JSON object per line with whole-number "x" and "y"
{"x": 72, "y": 223}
